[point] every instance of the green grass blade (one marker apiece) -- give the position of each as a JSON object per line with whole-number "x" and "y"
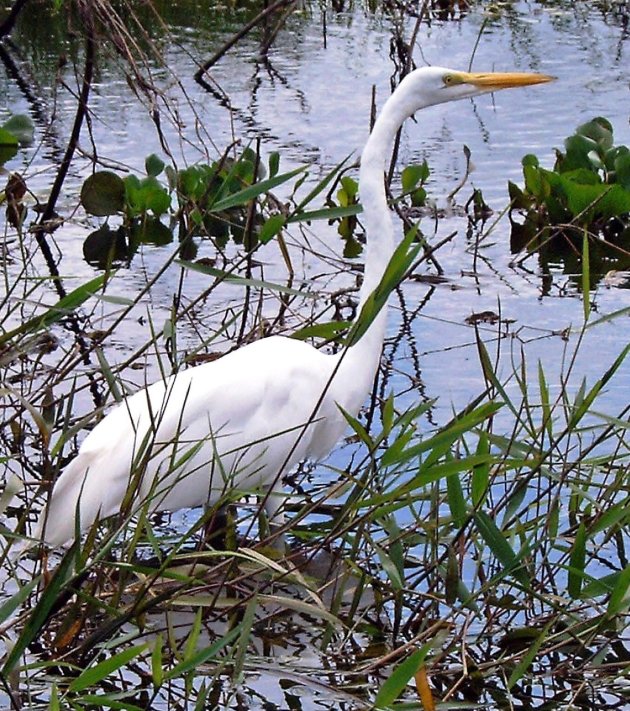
{"x": 203, "y": 655}
{"x": 586, "y": 276}
{"x": 319, "y": 188}
{"x": 456, "y": 501}
{"x": 403, "y": 257}
{"x": 244, "y": 281}
{"x": 100, "y": 701}
{"x": 577, "y": 560}
{"x": 499, "y": 546}
{"x": 93, "y": 675}
{"x": 11, "y": 605}
{"x": 480, "y": 480}
{"x": 242, "y": 197}
{"x": 396, "y": 683}
{"x": 447, "y": 435}
{"x": 61, "y": 309}
{"x": 523, "y": 665}
{"x": 326, "y": 213}
{"x": 620, "y": 595}
{"x": 42, "y": 609}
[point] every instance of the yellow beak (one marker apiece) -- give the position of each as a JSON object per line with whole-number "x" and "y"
{"x": 502, "y": 80}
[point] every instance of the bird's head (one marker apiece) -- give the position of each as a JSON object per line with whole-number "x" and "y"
{"x": 437, "y": 85}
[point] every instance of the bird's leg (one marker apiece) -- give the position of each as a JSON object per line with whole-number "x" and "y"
{"x": 215, "y": 530}
{"x": 273, "y": 525}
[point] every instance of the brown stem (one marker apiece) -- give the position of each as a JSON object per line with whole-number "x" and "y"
{"x": 238, "y": 36}
{"x": 8, "y": 24}
{"x": 49, "y": 211}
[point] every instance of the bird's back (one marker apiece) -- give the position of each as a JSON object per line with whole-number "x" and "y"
{"x": 234, "y": 424}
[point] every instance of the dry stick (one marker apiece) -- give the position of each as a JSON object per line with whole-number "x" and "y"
{"x": 8, "y": 24}
{"x": 269, "y": 40}
{"x": 235, "y": 38}
{"x": 49, "y": 210}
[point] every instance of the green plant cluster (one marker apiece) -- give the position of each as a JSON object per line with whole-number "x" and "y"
{"x": 589, "y": 186}
{"x": 203, "y": 200}
{"x": 17, "y": 131}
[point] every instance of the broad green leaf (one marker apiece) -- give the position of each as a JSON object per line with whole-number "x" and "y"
{"x": 274, "y": 164}
{"x": 103, "y": 194}
{"x": 21, "y": 127}
{"x": 530, "y": 159}
{"x": 578, "y": 148}
{"x": 8, "y": 139}
{"x": 412, "y": 175}
{"x": 622, "y": 170}
{"x": 599, "y": 130}
{"x": 7, "y": 151}
{"x": 154, "y": 165}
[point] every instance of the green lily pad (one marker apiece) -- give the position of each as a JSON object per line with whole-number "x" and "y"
{"x": 103, "y": 194}
{"x": 21, "y": 127}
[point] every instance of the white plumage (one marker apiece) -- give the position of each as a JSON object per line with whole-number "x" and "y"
{"x": 241, "y": 422}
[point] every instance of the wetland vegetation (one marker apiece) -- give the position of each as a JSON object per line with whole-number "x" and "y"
{"x": 180, "y": 179}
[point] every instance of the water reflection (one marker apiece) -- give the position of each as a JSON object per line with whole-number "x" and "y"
{"x": 311, "y": 103}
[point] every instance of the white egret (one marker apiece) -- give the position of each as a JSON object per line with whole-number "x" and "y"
{"x": 240, "y": 423}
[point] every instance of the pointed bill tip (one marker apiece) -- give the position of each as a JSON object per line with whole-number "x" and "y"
{"x": 504, "y": 80}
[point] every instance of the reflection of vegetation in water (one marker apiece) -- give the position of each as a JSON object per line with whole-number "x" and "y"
{"x": 588, "y": 191}
{"x": 492, "y": 552}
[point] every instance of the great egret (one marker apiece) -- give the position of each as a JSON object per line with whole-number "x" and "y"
{"x": 239, "y": 423}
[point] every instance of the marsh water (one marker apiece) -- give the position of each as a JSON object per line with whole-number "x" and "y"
{"x": 310, "y": 101}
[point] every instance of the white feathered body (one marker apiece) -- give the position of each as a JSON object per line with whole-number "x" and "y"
{"x": 236, "y": 424}
{"x": 241, "y": 422}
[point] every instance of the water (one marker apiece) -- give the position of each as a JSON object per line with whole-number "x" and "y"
{"x": 312, "y": 105}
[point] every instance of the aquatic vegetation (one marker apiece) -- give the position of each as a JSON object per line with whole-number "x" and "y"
{"x": 468, "y": 544}
{"x": 588, "y": 189}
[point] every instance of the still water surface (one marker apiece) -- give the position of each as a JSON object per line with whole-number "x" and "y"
{"x": 312, "y": 104}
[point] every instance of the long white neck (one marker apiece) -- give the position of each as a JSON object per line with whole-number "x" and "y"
{"x": 362, "y": 359}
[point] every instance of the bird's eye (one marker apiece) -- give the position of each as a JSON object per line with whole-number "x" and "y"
{"x": 448, "y": 79}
